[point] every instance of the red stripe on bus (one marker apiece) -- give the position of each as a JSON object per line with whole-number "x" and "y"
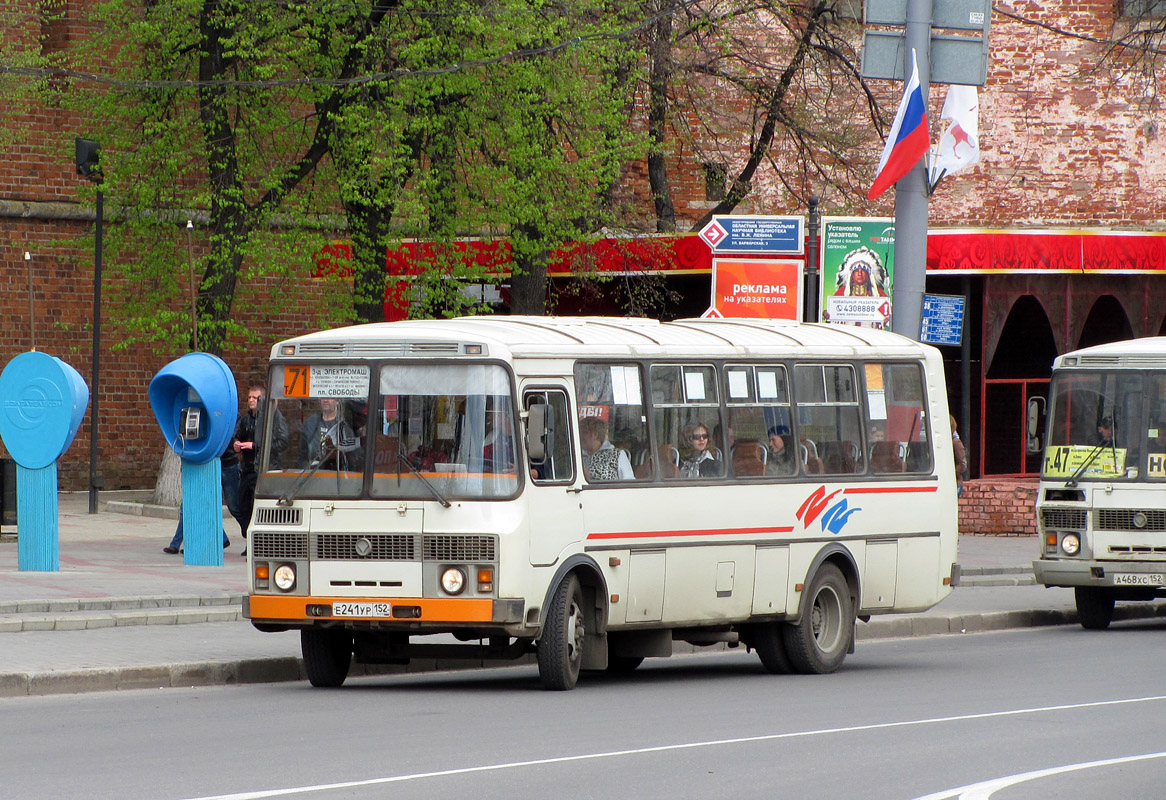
{"x": 898, "y": 490}
{"x": 712, "y": 532}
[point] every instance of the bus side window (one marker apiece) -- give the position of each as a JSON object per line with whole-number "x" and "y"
{"x": 557, "y": 465}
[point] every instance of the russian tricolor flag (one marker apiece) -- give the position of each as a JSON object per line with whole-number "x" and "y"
{"x": 909, "y": 138}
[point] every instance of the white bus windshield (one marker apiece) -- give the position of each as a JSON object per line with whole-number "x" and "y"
{"x": 1096, "y": 425}
{"x": 445, "y": 429}
{"x": 431, "y": 431}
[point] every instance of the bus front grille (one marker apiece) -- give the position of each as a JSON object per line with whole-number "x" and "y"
{"x": 380, "y": 547}
{"x": 266, "y": 515}
{"x": 459, "y": 548}
{"x": 1126, "y": 519}
{"x": 270, "y": 544}
{"x": 1059, "y": 519}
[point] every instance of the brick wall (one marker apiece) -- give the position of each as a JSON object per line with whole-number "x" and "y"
{"x": 999, "y": 507}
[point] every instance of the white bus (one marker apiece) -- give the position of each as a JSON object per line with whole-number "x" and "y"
{"x": 1101, "y": 507}
{"x": 591, "y": 490}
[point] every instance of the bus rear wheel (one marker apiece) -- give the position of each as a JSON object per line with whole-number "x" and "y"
{"x": 818, "y": 643}
{"x": 560, "y": 648}
{"x": 1094, "y": 607}
{"x": 327, "y": 655}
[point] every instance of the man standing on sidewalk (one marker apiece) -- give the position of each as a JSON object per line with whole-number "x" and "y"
{"x": 229, "y": 469}
{"x": 248, "y": 431}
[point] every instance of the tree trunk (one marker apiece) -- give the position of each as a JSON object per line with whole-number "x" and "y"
{"x": 168, "y": 488}
{"x": 660, "y": 73}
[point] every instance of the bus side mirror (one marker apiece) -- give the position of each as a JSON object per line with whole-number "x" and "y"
{"x": 1036, "y": 412}
{"x": 536, "y": 432}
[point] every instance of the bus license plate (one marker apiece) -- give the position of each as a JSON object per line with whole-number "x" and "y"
{"x": 362, "y": 609}
{"x": 1137, "y": 579}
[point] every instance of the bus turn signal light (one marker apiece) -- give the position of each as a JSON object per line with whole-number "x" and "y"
{"x": 485, "y": 581}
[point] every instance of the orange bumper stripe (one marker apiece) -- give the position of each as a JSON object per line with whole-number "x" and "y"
{"x": 271, "y": 607}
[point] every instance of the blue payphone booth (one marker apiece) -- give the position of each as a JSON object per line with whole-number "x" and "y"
{"x": 196, "y": 403}
{"x": 43, "y": 401}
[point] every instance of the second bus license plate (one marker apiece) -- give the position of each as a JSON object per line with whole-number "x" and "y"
{"x": 1137, "y": 579}
{"x": 362, "y": 609}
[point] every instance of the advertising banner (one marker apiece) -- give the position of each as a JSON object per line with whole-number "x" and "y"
{"x": 857, "y": 268}
{"x": 766, "y": 288}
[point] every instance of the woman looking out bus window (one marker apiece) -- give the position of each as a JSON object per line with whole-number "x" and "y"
{"x": 601, "y": 461}
{"x": 704, "y": 459}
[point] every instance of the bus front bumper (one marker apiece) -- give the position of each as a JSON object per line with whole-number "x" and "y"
{"x": 425, "y": 611}
{"x": 1086, "y": 572}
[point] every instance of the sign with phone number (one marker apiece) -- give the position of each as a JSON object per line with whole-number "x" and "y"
{"x": 320, "y": 380}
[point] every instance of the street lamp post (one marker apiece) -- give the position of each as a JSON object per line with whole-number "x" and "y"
{"x": 88, "y": 157}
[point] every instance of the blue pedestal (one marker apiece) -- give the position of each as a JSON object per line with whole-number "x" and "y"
{"x": 202, "y": 514}
{"x": 38, "y": 547}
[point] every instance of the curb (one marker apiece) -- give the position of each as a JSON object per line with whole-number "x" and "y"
{"x": 17, "y": 616}
{"x": 288, "y": 668}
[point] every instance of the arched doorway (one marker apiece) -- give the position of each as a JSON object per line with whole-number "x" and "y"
{"x": 1107, "y": 322}
{"x": 1020, "y": 369}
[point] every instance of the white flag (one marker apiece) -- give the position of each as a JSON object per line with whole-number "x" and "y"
{"x": 959, "y": 147}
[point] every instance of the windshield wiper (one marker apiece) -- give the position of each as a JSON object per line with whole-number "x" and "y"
{"x": 433, "y": 489}
{"x": 287, "y": 497}
{"x": 1072, "y": 482}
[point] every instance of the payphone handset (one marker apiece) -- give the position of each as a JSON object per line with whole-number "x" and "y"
{"x": 191, "y": 419}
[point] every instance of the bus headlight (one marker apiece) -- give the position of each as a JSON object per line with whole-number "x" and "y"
{"x": 285, "y": 577}
{"x": 453, "y": 580}
{"x": 1071, "y": 544}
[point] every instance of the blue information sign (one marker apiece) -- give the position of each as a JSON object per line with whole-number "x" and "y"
{"x": 755, "y": 234}
{"x": 943, "y": 319}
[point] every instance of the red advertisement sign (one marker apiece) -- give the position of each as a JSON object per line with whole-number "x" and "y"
{"x": 766, "y": 288}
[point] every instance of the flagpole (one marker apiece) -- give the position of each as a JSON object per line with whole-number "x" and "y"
{"x": 911, "y": 195}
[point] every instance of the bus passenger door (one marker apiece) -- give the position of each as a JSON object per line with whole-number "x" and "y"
{"x": 553, "y": 503}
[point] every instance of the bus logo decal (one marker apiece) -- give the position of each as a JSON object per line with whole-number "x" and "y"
{"x": 834, "y": 520}
{"x": 838, "y": 515}
{"x": 814, "y": 505}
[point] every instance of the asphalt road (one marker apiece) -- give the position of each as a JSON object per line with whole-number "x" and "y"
{"x": 1045, "y": 712}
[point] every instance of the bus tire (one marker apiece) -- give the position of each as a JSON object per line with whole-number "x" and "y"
{"x": 820, "y": 641}
{"x": 560, "y": 648}
{"x": 327, "y": 655}
{"x": 769, "y": 641}
{"x": 1094, "y": 607}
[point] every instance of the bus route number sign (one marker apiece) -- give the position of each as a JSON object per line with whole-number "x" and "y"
{"x": 317, "y": 380}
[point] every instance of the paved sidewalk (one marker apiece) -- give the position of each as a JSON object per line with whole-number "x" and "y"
{"x": 120, "y": 613}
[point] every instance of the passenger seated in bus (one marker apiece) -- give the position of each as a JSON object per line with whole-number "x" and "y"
{"x": 781, "y": 459}
{"x": 328, "y": 438}
{"x": 704, "y": 459}
{"x": 498, "y": 449}
{"x": 601, "y": 460}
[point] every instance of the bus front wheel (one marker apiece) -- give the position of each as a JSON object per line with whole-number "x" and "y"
{"x": 820, "y": 641}
{"x": 1094, "y": 607}
{"x": 560, "y": 648}
{"x": 327, "y": 655}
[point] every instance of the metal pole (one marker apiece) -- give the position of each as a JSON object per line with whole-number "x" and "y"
{"x": 95, "y": 395}
{"x": 812, "y": 301}
{"x": 31, "y": 302}
{"x": 911, "y": 192}
{"x": 966, "y": 373}
{"x": 193, "y": 290}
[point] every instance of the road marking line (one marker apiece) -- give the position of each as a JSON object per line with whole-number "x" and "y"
{"x": 985, "y": 789}
{"x": 770, "y": 737}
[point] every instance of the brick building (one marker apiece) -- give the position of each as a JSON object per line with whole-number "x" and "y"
{"x": 1071, "y": 150}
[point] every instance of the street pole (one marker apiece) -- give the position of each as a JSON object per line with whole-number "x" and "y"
{"x": 96, "y": 393}
{"x": 88, "y": 158}
{"x": 812, "y": 301}
{"x": 911, "y": 192}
